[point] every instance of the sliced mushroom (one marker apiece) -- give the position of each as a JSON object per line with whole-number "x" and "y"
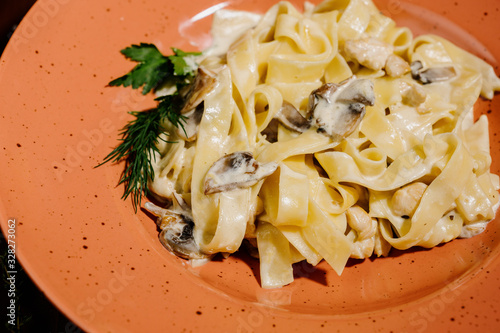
{"x": 437, "y": 74}
{"x": 415, "y": 68}
{"x": 204, "y": 83}
{"x": 271, "y": 131}
{"x": 189, "y": 130}
{"x": 292, "y": 119}
{"x": 192, "y": 110}
{"x": 433, "y": 74}
{"x": 356, "y": 90}
{"x": 289, "y": 117}
{"x": 177, "y": 232}
{"x": 337, "y": 109}
{"x": 236, "y": 170}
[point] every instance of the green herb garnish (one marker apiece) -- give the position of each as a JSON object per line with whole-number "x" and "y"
{"x": 139, "y": 138}
{"x": 154, "y": 68}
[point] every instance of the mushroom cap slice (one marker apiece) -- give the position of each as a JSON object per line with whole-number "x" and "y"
{"x": 177, "y": 232}
{"x": 236, "y": 170}
{"x": 437, "y": 74}
{"x": 356, "y": 90}
{"x": 204, "y": 83}
{"x": 291, "y": 118}
{"x": 179, "y": 240}
{"x": 337, "y": 109}
{"x": 193, "y": 108}
{"x": 271, "y": 131}
{"x": 432, "y": 74}
{"x": 189, "y": 131}
{"x": 416, "y": 67}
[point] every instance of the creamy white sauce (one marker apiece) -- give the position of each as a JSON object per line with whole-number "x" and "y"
{"x": 229, "y": 25}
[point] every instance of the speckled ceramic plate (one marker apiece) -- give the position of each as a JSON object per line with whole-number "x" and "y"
{"x": 103, "y": 266}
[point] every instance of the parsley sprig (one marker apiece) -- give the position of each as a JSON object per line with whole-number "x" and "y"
{"x": 154, "y": 68}
{"x": 139, "y": 138}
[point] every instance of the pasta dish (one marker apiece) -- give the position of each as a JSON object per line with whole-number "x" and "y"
{"x": 329, "y": 133}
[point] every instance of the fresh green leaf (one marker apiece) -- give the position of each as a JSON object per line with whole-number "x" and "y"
{"x": 142, "y": 53}
{"x": 154, "y": 68}
{"x": 180, "y": 60}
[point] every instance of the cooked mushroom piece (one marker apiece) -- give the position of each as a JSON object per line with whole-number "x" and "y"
{"x": 437, "y": 74}
{"x": 236, "y": 170}
{"x": 415, "y": 68}
{"x": 337, "y": 109}
{"x": 189, "y": 130}
{"x": 291, "y": 118}
{"x": 177, "y": 232}
{"x": 192, "y": 110}
{"x": 204, "y": 82}
{"x": 431, "y": 75}
{"x": 271, "y": 131}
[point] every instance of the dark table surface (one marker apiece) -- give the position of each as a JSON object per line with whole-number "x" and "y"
{"x": 35, "y": 313}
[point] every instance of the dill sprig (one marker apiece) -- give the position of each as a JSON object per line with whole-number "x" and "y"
{"x": 138, "y": 145}
{"x": 140, "y": 137}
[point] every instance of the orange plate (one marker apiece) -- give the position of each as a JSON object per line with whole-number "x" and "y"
{"x": 103, "y": 265}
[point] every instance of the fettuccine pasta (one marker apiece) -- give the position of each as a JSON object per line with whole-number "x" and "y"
{"x": 328, "y": 134}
